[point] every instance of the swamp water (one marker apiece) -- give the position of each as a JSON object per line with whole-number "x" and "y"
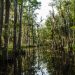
{"x": 41, "y": 61}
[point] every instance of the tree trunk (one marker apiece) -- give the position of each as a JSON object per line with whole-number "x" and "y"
{"x": 7, "y": 8}
{"x": 14, "y": 37}
{"x": 19, "y": 41}
{"x": 1, "y": 19}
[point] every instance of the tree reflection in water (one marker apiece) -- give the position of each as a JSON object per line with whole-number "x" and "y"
{"x": 43, "y": 61}
{"x": 59, "y": 63}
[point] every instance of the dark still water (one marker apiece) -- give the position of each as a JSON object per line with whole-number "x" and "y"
{"x": 39, "y": 61}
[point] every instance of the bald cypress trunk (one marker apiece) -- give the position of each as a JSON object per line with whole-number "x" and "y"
{"x": 14, "y": 37}
{"x": 19, "y": 40}
{"x": 1, "y": 24}
{"x": 1, "y": 19}
{"x": 7, "y": 8}
{"x": 74, "y": 24}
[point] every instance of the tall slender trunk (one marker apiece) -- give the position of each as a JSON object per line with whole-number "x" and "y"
{"x": 1, "y": 24}
{"x": 14, "y": 37}
{"x": 19, "y": 41}
{"x": 7, "y": 8}
{"x": 1, "y": 19}
{"x": 74, "y": 24}
{"x": 33, "y": 40}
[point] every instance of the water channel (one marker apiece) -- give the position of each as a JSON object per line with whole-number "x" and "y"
{"x": 40, "y": 61}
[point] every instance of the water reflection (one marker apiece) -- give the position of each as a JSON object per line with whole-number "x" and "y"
{"x": 42, "y": 61}
{"x": 59, "y": 63}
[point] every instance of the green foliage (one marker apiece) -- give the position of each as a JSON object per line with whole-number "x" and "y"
{"x": 35, "y": 3}
{"x": 73, "y": 27}
{"x": 20, "y": 2}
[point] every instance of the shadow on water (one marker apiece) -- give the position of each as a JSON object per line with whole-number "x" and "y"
{"x": 41, "y": 61}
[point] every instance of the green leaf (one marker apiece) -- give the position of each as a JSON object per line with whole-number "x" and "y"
{"x": 73, "y": 27}
{"x": 19, "y": 1}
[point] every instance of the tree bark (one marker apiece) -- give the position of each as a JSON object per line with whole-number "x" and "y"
{"x": 14, "y": 37}
{"x": 1, "y": 19}
{"x": 19, "y": 40}
{"x": 7, "y": 9}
